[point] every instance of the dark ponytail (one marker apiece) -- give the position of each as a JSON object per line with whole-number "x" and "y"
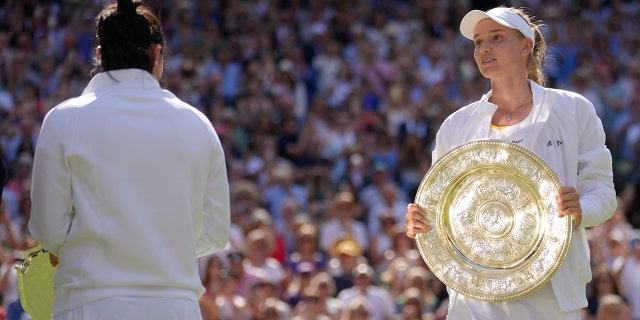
{"x": 125, "y": 32}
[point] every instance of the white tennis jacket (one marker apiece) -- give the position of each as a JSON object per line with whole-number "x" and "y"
{"x": 129, "y": 188}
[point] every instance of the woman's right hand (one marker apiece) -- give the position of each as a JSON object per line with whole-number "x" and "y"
{"x": 416, "y": 221}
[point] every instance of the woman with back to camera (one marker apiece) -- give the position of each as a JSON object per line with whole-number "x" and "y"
{"x": 129, "y": 184}
{"x": 559, "y": 126}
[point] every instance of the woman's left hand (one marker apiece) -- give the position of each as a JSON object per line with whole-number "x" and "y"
{"x": 568, "y": 201}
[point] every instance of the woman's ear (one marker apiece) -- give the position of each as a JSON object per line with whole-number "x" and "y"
{"x": 156, "y": 52}
{"x": 156, "y": 56}
{"x": 527, "y": 47}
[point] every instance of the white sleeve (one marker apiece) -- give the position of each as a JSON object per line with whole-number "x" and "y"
{"x": 595, "y": 174}
{"x": 51, "y": 208}
{"x": 216, "y": 216}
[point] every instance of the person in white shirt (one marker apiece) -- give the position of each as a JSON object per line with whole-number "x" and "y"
{"x": 342, "y": 223}
{"x": 379, "y": 301}
{"x": 561, "y": 127}
{"x": 129, "y": 184}
{"x": 258, "y": 263}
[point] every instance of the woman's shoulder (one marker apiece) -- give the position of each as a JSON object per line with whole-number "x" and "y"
{"x": 568, "y": 95}
{"x": 463, "y": 115}
{"x": 570, "y": 103}
{"x": 470, "y": 107}
{"x": 64, "y": 114}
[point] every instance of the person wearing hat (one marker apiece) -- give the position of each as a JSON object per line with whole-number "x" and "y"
{"x": 343, "y": 223}
{"x": 259, "y": 263}
{"x": 245, "y": 197}
{"x": 559, "y": 126}
{"x": 306, "y": 249}
{"x": 345, "y": 254}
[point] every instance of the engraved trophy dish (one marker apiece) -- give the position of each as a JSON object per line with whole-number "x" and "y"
{"x": 496, "y": 232}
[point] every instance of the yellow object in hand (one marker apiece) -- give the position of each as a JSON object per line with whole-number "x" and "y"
{"x": 35, "y": 282}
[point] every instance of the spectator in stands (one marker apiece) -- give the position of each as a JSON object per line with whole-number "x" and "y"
{"x": 628, "y": 279}
{"x": 283, "y": 188}
{"x": 310, "y": 306}
{"x": 298, "y": 283}
{"x": 358, "y": 309}
{"x": 613, "y": 307}
{"x": 342, "y": 224}
{"x": 382, "y": 241}
{"x": 261, "y": 220}
{"x": 264, "y": 298}
{"x": 603, "y": 284}
{"x": 429, "y": 287}
{"x": 377, "y": 298}
{"x": 245, "y": 281}
{"x": 258, "y": 262}
{"x": 346, "y": 254}
{"x": 412, "y": 307}
{"x": 391, "y": 201}
{"x": 306, "y": 249}
{"x": 230, "y": 305}
{"x": 326, "y": 288}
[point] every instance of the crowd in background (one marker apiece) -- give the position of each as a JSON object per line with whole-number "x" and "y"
{"x": 327, "y": 111}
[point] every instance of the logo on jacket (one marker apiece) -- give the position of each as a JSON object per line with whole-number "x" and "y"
{"x": 555, "y": 144}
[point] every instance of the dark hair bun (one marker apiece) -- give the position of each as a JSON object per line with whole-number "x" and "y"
{"x": 127, "y": 6}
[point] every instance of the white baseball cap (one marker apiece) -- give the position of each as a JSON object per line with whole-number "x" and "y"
{"x": 501, "y": 15}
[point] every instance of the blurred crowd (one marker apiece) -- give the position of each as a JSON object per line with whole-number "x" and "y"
{"x": 327, "y": 111}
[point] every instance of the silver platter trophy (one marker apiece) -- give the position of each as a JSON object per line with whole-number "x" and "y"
{"x": 496, "y": 232}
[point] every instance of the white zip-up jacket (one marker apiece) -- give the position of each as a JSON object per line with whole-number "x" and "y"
{"x": 569, "y": 136}
{"x": 129, "y": 188}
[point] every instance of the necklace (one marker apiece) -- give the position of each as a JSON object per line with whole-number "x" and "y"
{"x": 506, "y": 114}
{"x": 519, "y": 106}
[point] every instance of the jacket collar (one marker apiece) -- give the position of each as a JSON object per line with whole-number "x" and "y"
{"x": 540, "y": 110}
{"x": 108, "y": 80}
